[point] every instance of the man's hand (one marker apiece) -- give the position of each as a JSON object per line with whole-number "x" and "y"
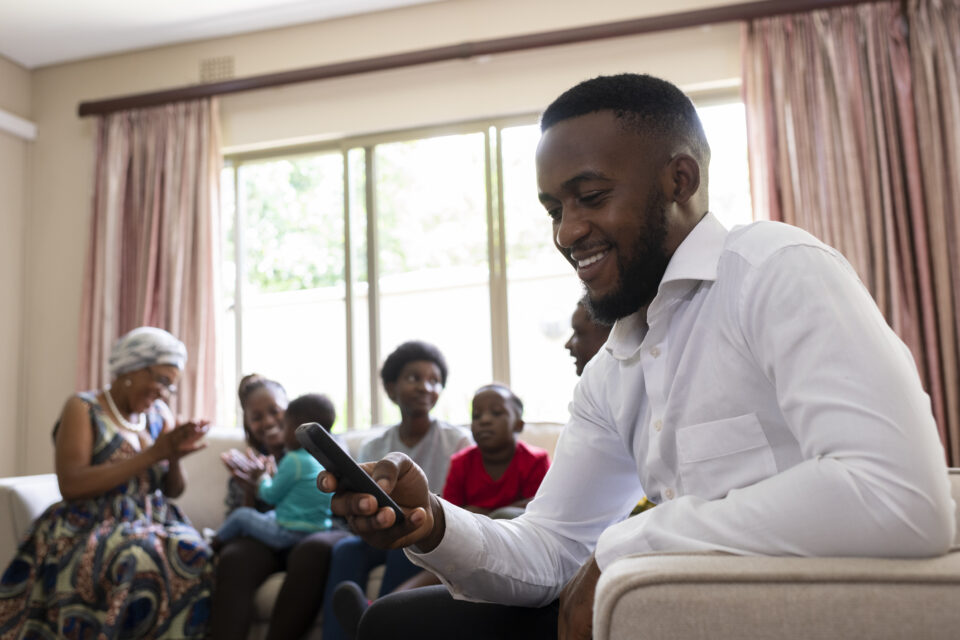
{"x": 576, "y": 603}
{"x": 406, "y": 483}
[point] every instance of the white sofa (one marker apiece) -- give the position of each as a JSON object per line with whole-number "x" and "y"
{"x": 23, "y": 498}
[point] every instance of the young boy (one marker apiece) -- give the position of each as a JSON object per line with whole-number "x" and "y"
{"x": 499, "y": 471}
{"x": 300, "y": 508}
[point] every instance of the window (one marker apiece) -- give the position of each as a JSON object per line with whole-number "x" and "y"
{"x": 460, "y": 255}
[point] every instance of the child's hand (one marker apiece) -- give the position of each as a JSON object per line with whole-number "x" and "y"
{"x": 246, "y": 468}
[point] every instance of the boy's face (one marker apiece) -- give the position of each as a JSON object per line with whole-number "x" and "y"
{"x": 417, "y": 388}
{"x": 495, "y": 420}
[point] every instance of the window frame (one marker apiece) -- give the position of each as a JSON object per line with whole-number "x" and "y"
{"x": 496, "y": 236}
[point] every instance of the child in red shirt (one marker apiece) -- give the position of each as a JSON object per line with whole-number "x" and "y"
{"x": 500, "y": 470}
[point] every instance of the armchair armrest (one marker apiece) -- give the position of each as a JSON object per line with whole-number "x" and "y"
{"x": 22, "y": 499}
{"x": 719, "y": 596}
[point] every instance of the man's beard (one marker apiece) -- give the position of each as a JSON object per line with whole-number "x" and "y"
{"x": 639, "y": 274}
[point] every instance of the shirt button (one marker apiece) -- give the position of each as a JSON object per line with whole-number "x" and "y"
{"x": 655, "y": 352}
{"x": 669, "y": 494}
{"x": 658, "y": 425}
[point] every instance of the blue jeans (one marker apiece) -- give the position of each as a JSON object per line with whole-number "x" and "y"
{"x": 244, "y": 521}
{"x": 352, "y": 559}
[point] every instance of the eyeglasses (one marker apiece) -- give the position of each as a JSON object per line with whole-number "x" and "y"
{"x": 163, "y": 382}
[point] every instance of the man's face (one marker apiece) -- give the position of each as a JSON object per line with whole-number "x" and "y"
{"x": 587, "y": 338}
{"x": 601, "y": 183}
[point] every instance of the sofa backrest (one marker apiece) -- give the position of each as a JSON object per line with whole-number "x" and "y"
{"x": 207, "y": 477}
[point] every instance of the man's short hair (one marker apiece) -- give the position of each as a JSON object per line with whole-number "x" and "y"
{"x": 646, "y": 104}
{"x": 412, "y": 351}
{"x": 312, "y": 407}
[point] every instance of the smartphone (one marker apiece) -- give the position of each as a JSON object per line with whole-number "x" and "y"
{"x": 321, "y": 445}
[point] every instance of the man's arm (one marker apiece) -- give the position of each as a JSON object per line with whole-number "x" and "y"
{"x": 873, "y": 479}
{"x": 526, "y": 561}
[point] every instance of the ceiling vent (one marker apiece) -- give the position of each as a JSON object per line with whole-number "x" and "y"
{"x": 216, "y": 69}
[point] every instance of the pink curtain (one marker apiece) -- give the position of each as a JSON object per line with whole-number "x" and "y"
{"x": 153, "y": 254}
{"x": 853, "y": 117}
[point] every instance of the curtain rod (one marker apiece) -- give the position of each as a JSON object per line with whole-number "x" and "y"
{"x": 465, "y": 50}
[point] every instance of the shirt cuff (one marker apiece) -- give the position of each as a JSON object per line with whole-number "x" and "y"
{"x": 460, "y": 550}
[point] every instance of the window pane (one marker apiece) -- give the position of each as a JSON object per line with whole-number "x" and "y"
{"x": 361, "y": 308}
{"x": 293, "y": 304}
{"x": 542, "y": 288}
{"x": 434, "y": 277}
{"x": 726, "y": 129}
{"x": 227, "y": 405}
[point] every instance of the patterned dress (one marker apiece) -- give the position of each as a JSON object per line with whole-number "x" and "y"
{"x": 126, "y": 564}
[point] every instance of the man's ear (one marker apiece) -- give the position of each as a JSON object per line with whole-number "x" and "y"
{"x": 681, "y": 178}
{"x": 391, "y": 389}
{"x": 518, "y": 426}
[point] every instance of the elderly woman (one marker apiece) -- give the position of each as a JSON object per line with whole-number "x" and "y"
{"x": 114, "y": 559}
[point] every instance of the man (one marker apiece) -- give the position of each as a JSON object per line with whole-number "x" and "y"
{"x": 587, "y": 337}
{"x": 749, "y": 385}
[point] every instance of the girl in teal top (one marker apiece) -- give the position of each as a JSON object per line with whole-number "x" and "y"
{"x": 301, "y": 508}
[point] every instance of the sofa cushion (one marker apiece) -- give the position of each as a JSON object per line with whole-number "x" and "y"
{"x": 719, "y": 596}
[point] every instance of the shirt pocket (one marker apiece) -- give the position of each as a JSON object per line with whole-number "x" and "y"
{"x": 715, "y": 457}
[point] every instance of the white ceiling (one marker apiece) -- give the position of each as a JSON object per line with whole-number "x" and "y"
{"x": 34, "y": 33}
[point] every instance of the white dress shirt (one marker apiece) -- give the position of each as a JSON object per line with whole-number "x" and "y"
{"x": 767, "y": 408}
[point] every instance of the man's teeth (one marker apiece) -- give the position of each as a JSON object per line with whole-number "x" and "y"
{"x": 586, "y": 262}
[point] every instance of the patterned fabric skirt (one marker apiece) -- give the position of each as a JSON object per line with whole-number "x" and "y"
{"x": 113, "y": 567}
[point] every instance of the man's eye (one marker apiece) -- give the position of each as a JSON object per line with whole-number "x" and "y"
{"x": 555, "y": 213}
{"x": 592, "y": 198}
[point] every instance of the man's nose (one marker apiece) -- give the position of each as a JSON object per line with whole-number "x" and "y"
{"x": 572, "y": 227}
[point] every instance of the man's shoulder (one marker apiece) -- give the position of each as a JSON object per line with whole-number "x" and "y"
{"x": 758, "y": 241}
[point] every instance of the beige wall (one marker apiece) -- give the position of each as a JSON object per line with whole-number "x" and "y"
{"x": 445, "y": 92}
{"x": 14, "y": 168}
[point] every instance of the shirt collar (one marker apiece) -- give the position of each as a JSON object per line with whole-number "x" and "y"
{"x": 695, "y": 259}
{"x": 698, "y": 255}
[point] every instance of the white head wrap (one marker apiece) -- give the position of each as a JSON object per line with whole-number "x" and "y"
{"x": 145, "y": 347}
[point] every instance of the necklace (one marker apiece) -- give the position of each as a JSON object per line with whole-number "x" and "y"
{"x": 126, "y": 424}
